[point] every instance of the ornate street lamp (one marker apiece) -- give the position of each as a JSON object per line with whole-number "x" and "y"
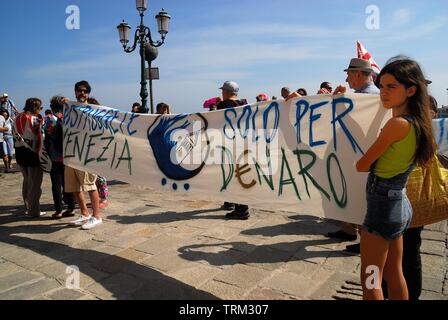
{"x": 144, "y": 39}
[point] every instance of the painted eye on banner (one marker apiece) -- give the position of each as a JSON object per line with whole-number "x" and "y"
{"x": 180, "y": 145}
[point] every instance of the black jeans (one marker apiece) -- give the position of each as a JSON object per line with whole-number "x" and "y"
{"x": 412, "y": 263}
{"x": 57, "y": 188}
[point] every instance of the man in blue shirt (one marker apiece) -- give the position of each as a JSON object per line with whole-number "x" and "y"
{"x": 359, "y": 78}
{"x": 8, "y": 105}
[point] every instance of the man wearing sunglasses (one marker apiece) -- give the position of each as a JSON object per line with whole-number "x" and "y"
{"x": 77, "y": 181}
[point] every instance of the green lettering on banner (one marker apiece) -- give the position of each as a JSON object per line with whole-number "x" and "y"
{"x": 128, "y": 158}
{"x": 287, "y": 181}
{"x": 100, "y": 158}
{"x": 269, "y": 180}
{"x": 342, "y": 203}
{"x": 90, "y": 144}
{"x": 304, "y": 171}
{"x": 68, "y": 142}
{"x": 226, "y": 180}
{"x": 113, "y": 157}
{"x": 76, "y": 145}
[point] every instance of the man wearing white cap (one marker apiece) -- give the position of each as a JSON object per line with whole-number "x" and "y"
{"x": 230, "y": 91}
{"x": 8, "y": 105}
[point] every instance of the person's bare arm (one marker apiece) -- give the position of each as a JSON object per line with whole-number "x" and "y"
{"x": 292, "y": 96}
{"x": 340, "y": 89}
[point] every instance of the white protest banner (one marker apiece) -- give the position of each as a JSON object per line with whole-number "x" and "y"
{"x": 298, "y": 155}
{"x": 440, "y": 129}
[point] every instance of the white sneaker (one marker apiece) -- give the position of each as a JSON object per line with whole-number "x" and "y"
{"x": 80, "y": 221}
{"x": 92, "y": 223}
{"x": 41, "y": 214}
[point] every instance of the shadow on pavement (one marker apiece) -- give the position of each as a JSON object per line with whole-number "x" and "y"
{"x": 123, "y": 278}
{"x": 166, "y": 217}
{"x": 223, "y": 253}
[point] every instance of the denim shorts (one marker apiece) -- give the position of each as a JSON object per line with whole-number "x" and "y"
{"x": 8, "y": 146}
{"x": 389, "y": 211}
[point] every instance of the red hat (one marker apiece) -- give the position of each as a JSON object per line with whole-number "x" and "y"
{"x": 263, "y": 97}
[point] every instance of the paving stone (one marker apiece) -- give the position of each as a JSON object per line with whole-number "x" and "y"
{"x": 30, "y": 290}
{"x": 184, "y": 231}
{"x": 312, "y": 254}
{"x": 268, "y": 294}
{"x": 132, "y": 255}
{"x": 243, "y": 243}
{"x": 267, "y": 258}
{"x": 211, "y": 254}
{"x": 166, "y": 261}
{"x": 125, "y": 230}
{"x": 74, "y": 238}
{"x": 88, "y": 297}
{"x": 159, "y": 244}
{"x": 432, "y": 284}
{"x": 223, "y": 290}
{"x": 17, "y": 279}
{"x": 127, "y": 241}
{"x": 242, "y": 276}
{"x": 65, "y": 294}
{"x": 342, "y": 262}
{"x": 327, "y": 290}
{"x": 434, "y": 247}
{"x": 29, "y": 259}
{"x": 289, "y": 243}
{"x": 302, "y": 268}
{"x": 221, "y": 232}
{"x": 118, "y": 286}
{"x": 440, "y": 227}
{"x": 6, "y": 268}
{"x": 195, "y": 275}
{"x": 290, "y": 283}
{"x": 433, "y": 235}
{"x": 430, "y": 295}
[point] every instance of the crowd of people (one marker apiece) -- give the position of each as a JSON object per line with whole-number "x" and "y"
{"x": 405, "y": 142}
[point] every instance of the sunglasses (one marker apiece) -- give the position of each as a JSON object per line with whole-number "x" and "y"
{"x": 82, "y": 91}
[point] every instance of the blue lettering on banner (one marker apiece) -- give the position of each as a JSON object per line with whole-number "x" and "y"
{"x": 228, "y": 121}
{"x": 299, "y": 116}
{"x": 442, "y": 130}
{"x": 337, "y": 118}
{"x": 314, "y": 118}
{"x": 272, "y": 106}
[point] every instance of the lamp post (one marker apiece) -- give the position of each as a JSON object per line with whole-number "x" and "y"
{"x": 144, "y": 39}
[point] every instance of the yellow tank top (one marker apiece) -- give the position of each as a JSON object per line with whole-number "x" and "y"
{"x": 398, "y": 157}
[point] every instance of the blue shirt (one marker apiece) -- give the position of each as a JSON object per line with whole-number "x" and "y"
{"x": 10, "y": 107}
{"x": 369, "y": 88}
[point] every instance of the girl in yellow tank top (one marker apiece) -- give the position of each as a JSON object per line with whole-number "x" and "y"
{"x": 406, "y": 140}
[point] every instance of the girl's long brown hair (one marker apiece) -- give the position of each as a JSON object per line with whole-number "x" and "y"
{"x": 409, "y": 73}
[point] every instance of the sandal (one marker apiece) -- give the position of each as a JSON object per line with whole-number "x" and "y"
{"x": 103, "y": 204}
{"x": 68, "y": 213}
{"x": 57, "y": 215}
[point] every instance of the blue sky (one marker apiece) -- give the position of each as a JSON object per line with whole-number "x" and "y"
{"x": 261, "y": 44}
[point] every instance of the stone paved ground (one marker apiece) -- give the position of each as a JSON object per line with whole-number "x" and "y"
{"x": 154, "y": 246}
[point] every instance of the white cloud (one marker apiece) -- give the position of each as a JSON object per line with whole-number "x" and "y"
{"x": 401, "y": 17}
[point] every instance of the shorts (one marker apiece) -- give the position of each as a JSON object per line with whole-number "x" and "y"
{"x": 8, "y": 146}
{"x": 78, "y": 181}
{"x": 389, "y": 211}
